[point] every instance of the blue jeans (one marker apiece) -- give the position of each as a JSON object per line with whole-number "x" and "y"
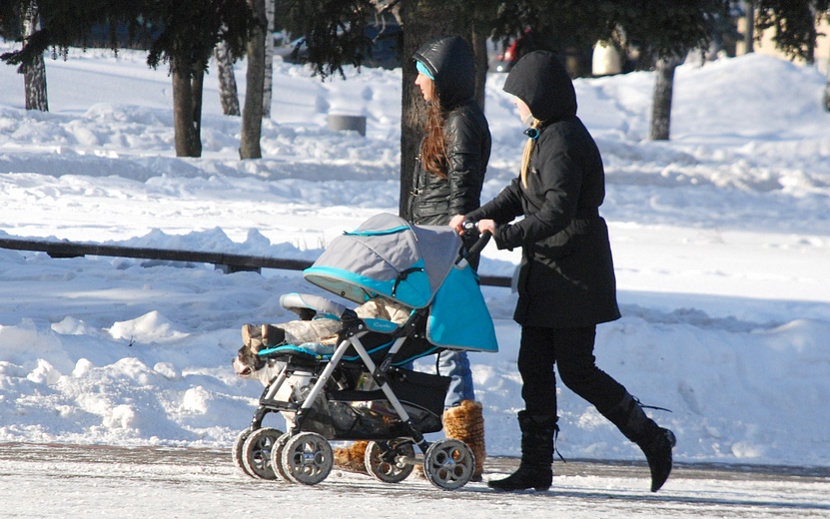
{"x": 456, "y": 365}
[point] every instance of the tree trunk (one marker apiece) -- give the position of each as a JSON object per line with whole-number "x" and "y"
{"x": 479, "y": 43}
{"x": 419, "y": 25}
{"x": 228, "y": 94}
{"x": 270, "y": 13}
{"x": 187, "y": 111}
{"x": 749, "y": 37}
{"x": 197, "y": 88}
{"x": 661, "y": 108}
{"x": 249, "y": 147}
{"x": 34, "y": 75}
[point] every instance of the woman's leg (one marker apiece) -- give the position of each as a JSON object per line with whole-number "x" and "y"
{"x": 538, "y": 420}
{"x": 463, "y": 417}
{"x": 578, "y": 370}
{"x": 537, "y": 354}
{"x": 456, "y": 365}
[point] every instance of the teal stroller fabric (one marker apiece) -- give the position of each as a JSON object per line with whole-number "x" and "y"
{"x": 417, "y": 266}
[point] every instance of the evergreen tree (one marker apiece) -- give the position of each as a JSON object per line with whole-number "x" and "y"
{"x": 794, "y": 22}
{"x": 181, "y": 34}
{"x": 333, "y": 32}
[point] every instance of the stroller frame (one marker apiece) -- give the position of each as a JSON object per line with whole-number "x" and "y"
{"x": 327, "y": 382}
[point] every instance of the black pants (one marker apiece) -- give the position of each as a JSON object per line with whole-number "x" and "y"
{"x": 572, "y": 350}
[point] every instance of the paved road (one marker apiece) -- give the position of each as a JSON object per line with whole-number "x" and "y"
{"x": 62, "y": 481}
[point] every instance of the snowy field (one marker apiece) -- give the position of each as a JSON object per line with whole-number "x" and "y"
{"x": 721, "y": 242}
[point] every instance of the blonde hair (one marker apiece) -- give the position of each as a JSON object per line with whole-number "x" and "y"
{"x": 529, "y": 146}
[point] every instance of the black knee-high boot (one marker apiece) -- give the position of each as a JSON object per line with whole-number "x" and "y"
{"x": 655, "y": 441}
{"x": 537, "y": 455}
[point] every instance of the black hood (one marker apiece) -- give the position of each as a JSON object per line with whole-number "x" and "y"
{"x": 540, "y": 80}
{"x": 450, "y": 61}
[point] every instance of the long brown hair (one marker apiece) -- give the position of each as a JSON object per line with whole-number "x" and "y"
{"x": 433, "y": 146}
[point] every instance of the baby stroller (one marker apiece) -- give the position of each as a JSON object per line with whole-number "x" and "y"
{"x": 359, "y": 389}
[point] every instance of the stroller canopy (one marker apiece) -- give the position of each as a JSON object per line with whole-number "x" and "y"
{"x": 415, "y": 266}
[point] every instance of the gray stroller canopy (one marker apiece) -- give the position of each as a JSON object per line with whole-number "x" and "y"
{"x": 389, "y": 257}
{"x": 415, "y": 266}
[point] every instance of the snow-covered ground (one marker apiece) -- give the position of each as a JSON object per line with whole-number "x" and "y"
{"x": 59, "y": 481}
{"x": 721, "y": 241}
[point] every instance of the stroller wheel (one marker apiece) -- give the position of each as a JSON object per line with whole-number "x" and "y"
{"x": 276, "y": 456}
{"x": 449, "y": 464}
{"x": 307, "y": 458}
{"x": 389, "y": 466}
{"x": 238, "y": 452}
{"x": 256, "y": 452}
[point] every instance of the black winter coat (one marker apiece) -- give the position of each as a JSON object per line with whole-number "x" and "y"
{"x": 566, "y": 278}
{"x": 435, "y": 200}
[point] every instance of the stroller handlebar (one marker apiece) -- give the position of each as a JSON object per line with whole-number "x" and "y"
{"x": 479, "y": 245}
{"x": 470, "y": 228}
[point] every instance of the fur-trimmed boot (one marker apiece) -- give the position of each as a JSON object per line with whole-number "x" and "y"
{"x": 258, "y": 337}
{"x": 351, "y": 458}
{"x": 252, "y": 336}
{"x": 465, "y": 422}
{"x": 537, "y": 455}
{"x": 655, "y": 441}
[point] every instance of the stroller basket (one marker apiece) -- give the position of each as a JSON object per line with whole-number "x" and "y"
{"x": 368, "y": 415}
{"x": 411, "y": 387}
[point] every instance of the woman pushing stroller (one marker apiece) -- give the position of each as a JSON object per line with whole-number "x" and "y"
{"x": 566, "y": 280}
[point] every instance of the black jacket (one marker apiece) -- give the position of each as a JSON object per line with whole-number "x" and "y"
{"x": 435, "y": 200}
{"x": 567, "y": 276}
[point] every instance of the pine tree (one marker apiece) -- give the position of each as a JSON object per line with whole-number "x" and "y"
{"x": 180, "y": 34}
{"x": 794, "y": 23}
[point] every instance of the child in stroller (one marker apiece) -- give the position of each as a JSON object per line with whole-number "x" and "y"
{"x": 317, "y": 324}
{"x": 355, "y": 387}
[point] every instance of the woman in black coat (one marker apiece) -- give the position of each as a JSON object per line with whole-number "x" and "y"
{"x": 455, "y": 149}
{"x": 449, "y": 175}
{"x": 566, "y": 279}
